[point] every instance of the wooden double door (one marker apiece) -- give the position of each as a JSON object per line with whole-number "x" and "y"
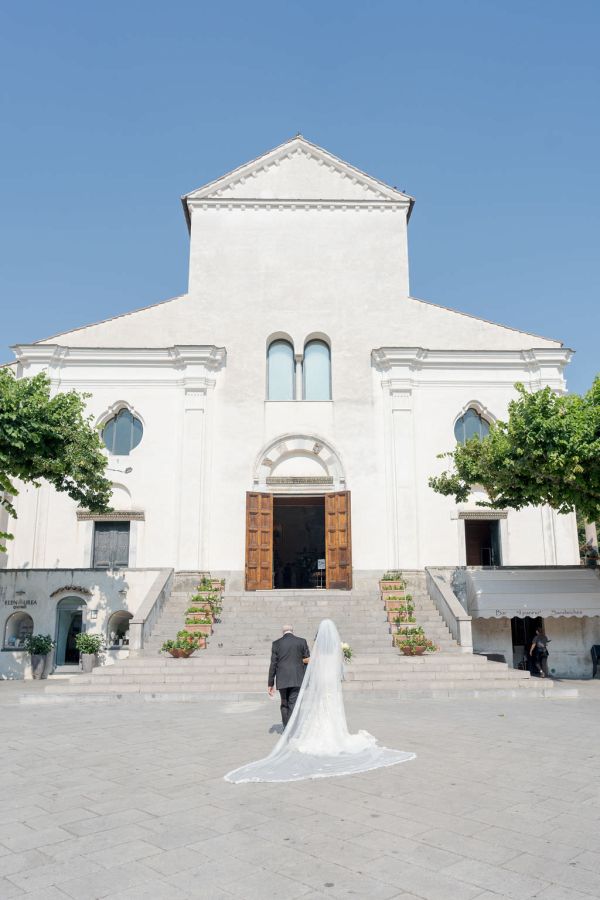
{"x": 260, "y": 525}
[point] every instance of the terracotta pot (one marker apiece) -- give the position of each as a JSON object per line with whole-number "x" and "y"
{"x": 180, "y": 654}
{"x": 201, "y": 615}
{"x": 398, "y": 586}
{"x": 198, "y": 629}
{"x": 395, "y": 601}
{"x": 394, "y": 614}
{"x": 413, "y": 651}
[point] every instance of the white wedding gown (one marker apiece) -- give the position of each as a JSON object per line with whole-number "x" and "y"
{"x": 316, "y": 742}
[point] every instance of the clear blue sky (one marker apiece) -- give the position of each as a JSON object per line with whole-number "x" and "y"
{"x": 487, "y": 111}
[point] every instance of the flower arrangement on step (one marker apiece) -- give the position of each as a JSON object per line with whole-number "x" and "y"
{"x": 392, "y": 581}
{"x": 210, "y": 604}
{"x": 199, "y": 624}
{"x": 211, "y": 585}
{"x": 413, "y": 642}
{"x": 184, "y": 644}
{"x": 347, "y": 651}
{"x": 401, "y": 614}
{"x": 397, "y": 601}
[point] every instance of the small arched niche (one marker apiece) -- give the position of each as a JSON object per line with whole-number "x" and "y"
{"x": 118, "y": 629}
{"x": 18, "y": 627}
{"x": 121, "y": 497}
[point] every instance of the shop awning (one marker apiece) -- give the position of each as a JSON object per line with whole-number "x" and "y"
{"x": 550, "y": 593}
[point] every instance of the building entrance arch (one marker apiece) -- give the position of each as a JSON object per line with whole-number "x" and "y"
{"x": 69, "y": 623}
{"x": 298, "y": 517}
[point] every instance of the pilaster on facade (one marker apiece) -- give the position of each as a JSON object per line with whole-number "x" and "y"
{"x": 399, "y": 438}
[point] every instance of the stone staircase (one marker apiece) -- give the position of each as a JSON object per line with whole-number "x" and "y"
{"x": 235, "y": 664}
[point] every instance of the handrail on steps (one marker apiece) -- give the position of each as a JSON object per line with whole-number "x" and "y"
{"x": 451, "y": 609}
{"x": 140, "y": 627}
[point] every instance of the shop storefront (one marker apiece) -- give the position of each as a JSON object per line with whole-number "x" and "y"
{"x": 507, "y": 605}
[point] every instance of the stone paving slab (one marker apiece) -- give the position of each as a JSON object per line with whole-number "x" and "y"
{"x": 128, "y": 802}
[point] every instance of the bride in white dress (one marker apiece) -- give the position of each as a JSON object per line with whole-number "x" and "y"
{"x": 316, "y": 742}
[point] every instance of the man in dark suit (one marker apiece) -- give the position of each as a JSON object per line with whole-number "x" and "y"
{"x": 289, "y": 657}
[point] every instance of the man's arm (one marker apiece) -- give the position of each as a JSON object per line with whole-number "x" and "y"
{"x": 305, "y": 653}
{"x": 272, "y": 669}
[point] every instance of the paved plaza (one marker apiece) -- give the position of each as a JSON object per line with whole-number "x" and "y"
{"x": 126, "y": 800}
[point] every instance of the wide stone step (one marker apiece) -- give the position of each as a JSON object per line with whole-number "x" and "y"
{"x": 392, "y": 669}
{"x": 400, "y": 690}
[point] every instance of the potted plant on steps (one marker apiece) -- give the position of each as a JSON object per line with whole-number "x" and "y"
{"x": 89, "y": 646}
{"x": 396, "y": 601}
{"x": 413, "y": 642}
{"x": 198, "y": 625}
{"x": 39, "y": 646}
{"x": 392, "y": 581}
{"x": 402, "y": 613}
{"x": 184, "y": 644}
{"x": 200, "y": 612}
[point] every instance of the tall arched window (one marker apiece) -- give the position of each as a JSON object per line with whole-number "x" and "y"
{"x": 280, "y": 371}
{"x": 471, "y": 424}
{"x": 122, "y": 433}
{"x": 316, "y": 371}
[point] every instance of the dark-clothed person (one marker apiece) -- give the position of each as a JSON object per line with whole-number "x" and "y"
{"x": 539, "y": 652}
{"x": 289, "y": 656}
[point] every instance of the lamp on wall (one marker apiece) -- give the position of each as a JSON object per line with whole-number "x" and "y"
{"x": 125, "y": 471}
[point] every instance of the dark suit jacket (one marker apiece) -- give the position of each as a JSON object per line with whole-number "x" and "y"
{"x": 286, "y": 661}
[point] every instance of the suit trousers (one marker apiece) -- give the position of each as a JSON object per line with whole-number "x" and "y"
{"x": 288, "y": 696}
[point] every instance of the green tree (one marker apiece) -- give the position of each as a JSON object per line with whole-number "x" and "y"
{"x": 49, "y": 438}
{"x": 547, "y": 452}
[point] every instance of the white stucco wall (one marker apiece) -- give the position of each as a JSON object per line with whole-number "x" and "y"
{"x": 30, "y": 590}
{"x": 334, "y": 265}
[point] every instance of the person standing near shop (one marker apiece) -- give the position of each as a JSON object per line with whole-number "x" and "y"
{"x": 539, "y": 652}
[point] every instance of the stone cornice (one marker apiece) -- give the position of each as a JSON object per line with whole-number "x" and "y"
{"x": 377, "y": 204}
{"x": 414, "y": 359}
{"x": 177, "y": 357}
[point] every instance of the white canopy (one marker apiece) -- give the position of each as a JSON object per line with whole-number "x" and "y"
{"x": 504, "y": 593}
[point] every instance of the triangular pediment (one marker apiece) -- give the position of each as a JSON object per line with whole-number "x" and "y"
{"x": 298, "y": 170}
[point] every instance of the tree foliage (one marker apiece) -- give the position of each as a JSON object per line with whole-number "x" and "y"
{"x": 547, "y": 452}
{"x": 48, "y": 438}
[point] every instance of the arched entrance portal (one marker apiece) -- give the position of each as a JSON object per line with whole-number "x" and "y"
{"x": 298, "y": 521}
{"x": 69, "y": 623}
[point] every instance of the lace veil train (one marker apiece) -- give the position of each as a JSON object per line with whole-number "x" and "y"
{"x": 316, "y": 742}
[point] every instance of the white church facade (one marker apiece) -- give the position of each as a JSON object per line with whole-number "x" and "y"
{"x": 278, "y": 423}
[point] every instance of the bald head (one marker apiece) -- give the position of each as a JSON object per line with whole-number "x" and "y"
{"x": 287, "y": 629}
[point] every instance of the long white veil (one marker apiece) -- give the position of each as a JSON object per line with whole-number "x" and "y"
{"x": 316, "y": 742}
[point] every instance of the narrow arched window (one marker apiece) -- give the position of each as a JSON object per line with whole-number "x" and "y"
{"x": 280, "y": 371}
{"x": 316, "y": 371}
{"x": 471, "y": 424}
{"x": 122, "y": 433}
